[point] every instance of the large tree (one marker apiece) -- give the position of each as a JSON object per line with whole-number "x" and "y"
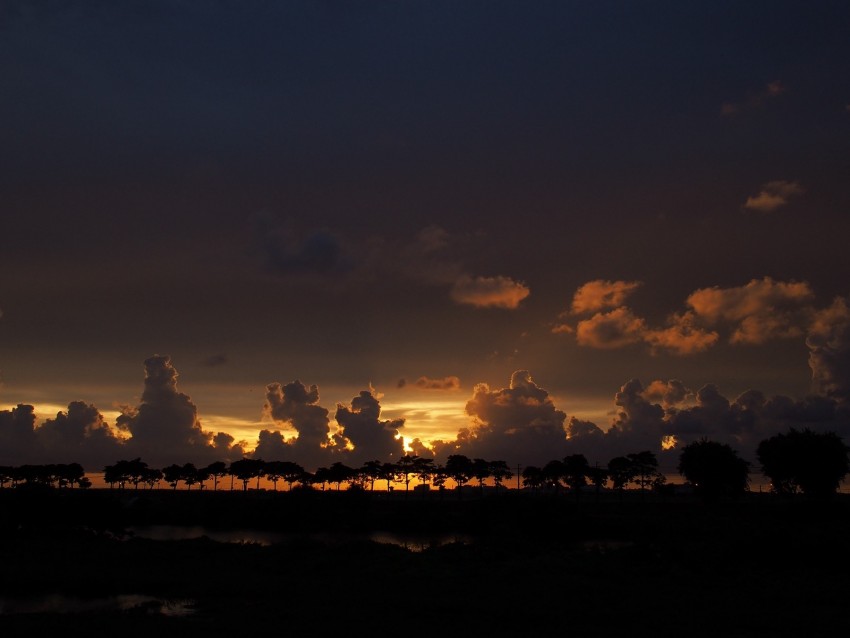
{"x": 813, "y": 462}
{"x": 713, "y": 469}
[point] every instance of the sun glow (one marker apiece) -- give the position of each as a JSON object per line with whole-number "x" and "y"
{"x": 668, "y": 442}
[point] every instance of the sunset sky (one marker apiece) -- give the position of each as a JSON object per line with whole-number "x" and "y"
{"x": 513, "y": 230}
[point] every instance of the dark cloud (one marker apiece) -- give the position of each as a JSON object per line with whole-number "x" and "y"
{"x": 828, "y": 341}
{"x": 296, "y": 406}
{"x": 446, "y": 383}
{"x": 18, "y": 443}
{"x": 519, "y": 423}
{"x": 164, "y": 428}
{"x": 371, "y": 437}
{"x": 80, "y": 435}
{"x": 283, "y": 251}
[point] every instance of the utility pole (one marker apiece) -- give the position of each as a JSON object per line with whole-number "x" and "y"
{"x": 518, "y": 466}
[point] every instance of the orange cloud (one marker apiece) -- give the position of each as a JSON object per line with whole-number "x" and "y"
{"x": 489, "y": 292}
{"x": 763, "y": 309}
{"x": 599, "y": 294}
{"x": 773, "y": 195}
{"x": 681, "y": 336}
{"x": 614, "y": 329}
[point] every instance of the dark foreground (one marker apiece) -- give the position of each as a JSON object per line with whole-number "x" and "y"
{"x": 643, "y": 567}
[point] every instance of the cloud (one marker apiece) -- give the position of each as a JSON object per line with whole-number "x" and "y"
{"x": 773, "y": 195}
{"x": 79, "y": 435}
{"x": 615, "y": 329}
{"x": 18, "y": 441}
{"x": 754, "y": 100}
{"x": 761, "y": 310}
{"x": 283, "y": 252}
{"x": 758, "y": 312}
{"x": 297, "y": 406}
{"x": 164, "y": 428}
{"x": 446, "y": 383}
{"x": 681, "y": 336}
{"x": 489, "y": 292}
{"x": 519, "y": 423}
{"x": 600, "y": 294}
{"x": 371, "y": 437}
{"x": 668, "y": 393}
{"x": 214, "y": 361}
{"x": 828, "y": 340}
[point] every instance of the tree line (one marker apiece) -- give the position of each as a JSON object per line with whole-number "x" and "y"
{"x": 797, "y": 461}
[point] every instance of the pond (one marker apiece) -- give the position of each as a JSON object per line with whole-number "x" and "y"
{"x": 411, "y": 542}
{"x": 59, "y": 604}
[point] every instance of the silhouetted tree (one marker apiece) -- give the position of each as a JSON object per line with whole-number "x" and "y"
{"x": 500, "y": 472}
{"x": 216, "y": 470}
{"x": 246, "y": 469}
{"x": 714, "y": 469}
{"x": 372, "y": 471}
{"x": 575, "y": 469}
{"x": 406, "y": 467}
{"x": 152, "y": 477}
{"x": 815, "y": 463}
{"x": 69, "y": 474}
{"x": 274, "y": 472}
{"x": 172, "y": 474}
{"x": 621, "y": 471}
{"x": 645, "y": 468}
{"x": 533, "y": 477}
{"x": 598, "y": 476}
{"x": 553, "y": 473}
{"x": 480, "y": 472}
{"x": 339, "y": 473}
{"x": 459, "y": 468}
{"x": 292, "y": 473}
{"x": 389, "y": 471}
{"x": 423, "y": 469}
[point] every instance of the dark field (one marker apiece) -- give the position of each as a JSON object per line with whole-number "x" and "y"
{"x": 761, "y": 566}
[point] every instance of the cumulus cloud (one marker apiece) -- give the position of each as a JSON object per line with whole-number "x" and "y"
{"x": 489, "y": 292}
{"x": 773, "y": 195}
{"x": 828, "y": 340}
{"x": 296, "y": 406}
{"x": 18, "y": 442}
{"x": 681, "y": 336}
{"x": 79, "y": 435}
{"x": 755, "y": 99}
{"x": 600, "y": 294}
{"x": 519, "y": 423}
{"x": 370, "y": 437}
{"x": 615, "y": 329}
{"x": 164, "y": 428}
{"x": 761, "y": 310}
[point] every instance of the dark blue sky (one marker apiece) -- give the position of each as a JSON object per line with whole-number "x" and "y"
{"x": 362, "y": 192}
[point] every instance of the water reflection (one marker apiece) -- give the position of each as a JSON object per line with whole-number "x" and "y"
{"x": 411, "y": 542}
{"x": 58, "y": 604}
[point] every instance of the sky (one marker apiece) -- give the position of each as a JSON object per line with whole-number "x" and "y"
{"x": 343, "y": 231}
